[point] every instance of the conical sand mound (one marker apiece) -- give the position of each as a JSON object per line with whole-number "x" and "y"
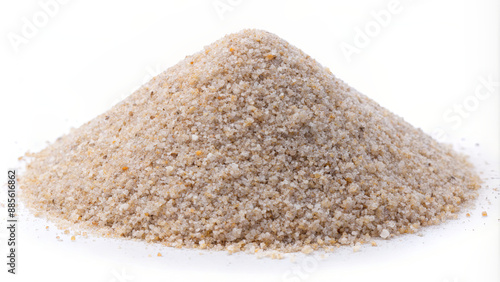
{"x": 247, "y": 144}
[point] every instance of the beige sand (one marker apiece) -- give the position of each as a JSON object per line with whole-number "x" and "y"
{"x": 248, "y": 144}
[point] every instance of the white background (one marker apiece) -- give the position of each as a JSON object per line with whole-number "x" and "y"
{"x": 63, "y": 65}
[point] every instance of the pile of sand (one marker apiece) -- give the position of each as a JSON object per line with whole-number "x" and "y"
{"x": 248, "y": 144}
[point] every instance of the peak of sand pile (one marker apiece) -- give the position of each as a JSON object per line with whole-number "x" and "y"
{"x": 248, "y": 144}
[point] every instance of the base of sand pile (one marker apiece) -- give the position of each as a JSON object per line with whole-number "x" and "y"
{"x": 452, "y": 250}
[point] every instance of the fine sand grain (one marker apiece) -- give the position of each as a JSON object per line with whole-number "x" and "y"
{"x": 249, "y": 144}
